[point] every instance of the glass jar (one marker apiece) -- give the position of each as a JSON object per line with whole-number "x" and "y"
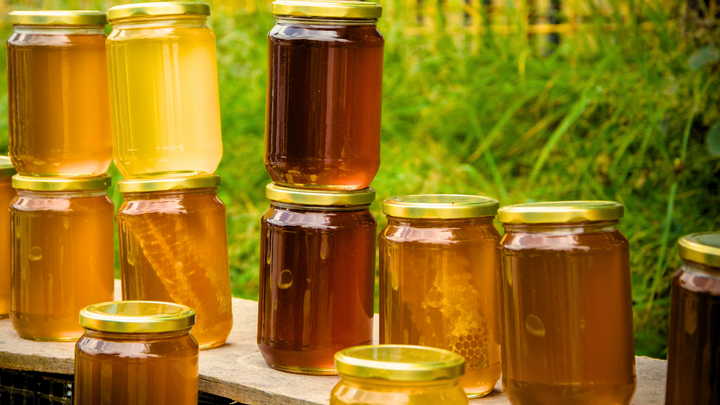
{"x": 164, "y": 89}
{"x": 63, "y": 253}
{"x": 317, "y": 277}
{"x": 136, "y": 352}
{"x": 173, "y": 248}
{"x": 7, "y": 193}
{"x": 395, "y": 374}
{"x": 567, "y": 306}
{"x": 694, "y": 340}
{"x": 59, "y": 117}
{"x": 324, "y": 94}
{"x": 439, "y": 271}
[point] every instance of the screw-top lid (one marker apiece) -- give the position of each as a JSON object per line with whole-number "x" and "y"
{"x": 6, "y": 167}
{"x": 168, "y": 183}
{"x": 137, "y": 317}
{"x": 319, "y": 197}
{"x": 32, "y": 183}
{"x": 168, "y": 8}
{"x": 560, "y": 212}
{"x": 440, "y": 206}
{"x": 330, "y": 9}
{"x": 57, "y": 17}
{"x": 703, "y": 248}
{"x": 399, "y": 363}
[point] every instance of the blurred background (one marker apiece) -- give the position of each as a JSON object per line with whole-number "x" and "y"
{"x": 521, "y": 100}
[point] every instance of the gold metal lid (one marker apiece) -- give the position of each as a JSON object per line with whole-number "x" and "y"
{"x": 137, "y": 317}
{"x": 319, "y": 197}
{"x": 57, "y": 17}
{"x": 399, "y": 363}
{"x": 440, "y": 206}
{"x": 703, "y": 248}
{"x": 363, "y": 10}
{"x": 32, "y": 183}
{"x": 157, "y": 9}
{"x": 6, "y": 167}
{"x": 168, "y": 183}
{"x": 560, "y": 212}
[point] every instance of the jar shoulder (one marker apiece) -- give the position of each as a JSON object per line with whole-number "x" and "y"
{"x": 76, "y": 205}
{"x": 613, "y": 239}
{"x": 480, "y": 233}
{"x": 177, "y": 205}
{"x": 179, "y": 347}
{"x": 697, "y": 281}
{"x": 320, "y": 220}
{"x": 331, "y": 35}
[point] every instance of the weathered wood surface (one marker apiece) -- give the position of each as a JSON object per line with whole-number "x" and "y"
{"x": 238, "y": 371}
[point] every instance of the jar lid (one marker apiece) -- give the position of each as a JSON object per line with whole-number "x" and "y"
{"x": 57, "y": 17}
{"x": 364, "y": 10}
{"x": 440, "y": 206}
{"x": 168, "y": 183}
{"x": 6, "y": 167}
{"x": 32, "y": 183}
{"x": 137, "y": 317}
{"x": 157, "y": 9}
{"x": 560, "y": 212}
{"x": 703, "y": 248}
{"x": 300, "y": 196}
{"x": 399, "y": 363}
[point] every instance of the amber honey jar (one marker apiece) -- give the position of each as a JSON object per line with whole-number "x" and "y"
{"x": 567, "y": 308}
{"x": 324, "y": 94}
{"x": 63, "y": 254}
{"x": 7, "y": 193}
{"x": 173, "y": 247}
{"x": 439, "y": 272}
{"x": 136, "y": 352}
{"x": 398, "y": 374}
{"x": 694, "y": 340}
{"x": 317, "y": 277}
{"x": 59, "y": 113}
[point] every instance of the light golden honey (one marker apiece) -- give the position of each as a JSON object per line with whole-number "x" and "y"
{"x": 7, "y": 193}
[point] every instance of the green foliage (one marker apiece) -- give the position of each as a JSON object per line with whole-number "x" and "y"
{"x": 620, "y": 114}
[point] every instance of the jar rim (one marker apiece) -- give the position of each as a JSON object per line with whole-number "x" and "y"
{"x": 399, "y": 363}
{"x": 702, "y": 247}
{"x": 33, "y": 183}
{"x": 150, "y": 184}
{"x": 440, "y": 206}
{"x": 334, "y": 9}
{"x": 58, "y": 17}
{"x": 157, "y": 9}
{"x": 6, "y": 167}
{"x": 137, "y": 317}
{"x": 559, "y": 212}
{"x": 317, "y": 197}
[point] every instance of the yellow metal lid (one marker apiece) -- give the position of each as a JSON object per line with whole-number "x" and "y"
{"x": 560, "y": 212}
{"x": 168, "y": 183}
{"x": 167, "y": 8}
{"x": 399, "y": 363}
{"x": 319, "y": 197}
{"x": 137, "y": 317}
{"x": 332, "y": 9}
{"x": 21, "y": 182}
{"x": 57, "y": 17}
{"x": 440, "y": 206}
{"x": 6, "y": 167}
{"x": 703, "y": 248}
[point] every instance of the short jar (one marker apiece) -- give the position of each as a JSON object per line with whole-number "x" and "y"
{"x": 567, "y": 307}
{"x": 162, "y": 66}
{"x": 324, "y": 94}
{"x": 439, "y": 271}
{"x": 7, "y": 193}
{"x": 59, "y": 113}
{"x": 63, "y": 253}
{"x": 694, "y": 339}
{"x": 136, "y": 352}
{"x": 398, "y": 374}
{"x": 173, "y": 248}
{"x": 317, "y": 277}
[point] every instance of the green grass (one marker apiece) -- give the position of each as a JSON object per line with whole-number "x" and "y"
{"x": 618, "y": 115}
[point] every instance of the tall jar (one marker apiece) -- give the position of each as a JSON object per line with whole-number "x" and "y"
{"x": 136, "y": 352}
{"x": 63, "y": 253}
{"x": 162, "y": 66}
{"x": 317, "y": 277}
{"x": 396, "y": 374}
{"x": 7, "y": 193}
{"x": 324, "y": 94}
{"x": 567, "y": 305}
{"x": 59, "y": 116}
{"x": 439, "y": 272}
{"x": 694, "y": 341}
{"x": 173, "y": 247}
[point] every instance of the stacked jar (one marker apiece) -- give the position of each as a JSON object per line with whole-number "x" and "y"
{"x": 322, "y": 151}
{"x": 167, "y": 144}
{"x": 61, "y": 219}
